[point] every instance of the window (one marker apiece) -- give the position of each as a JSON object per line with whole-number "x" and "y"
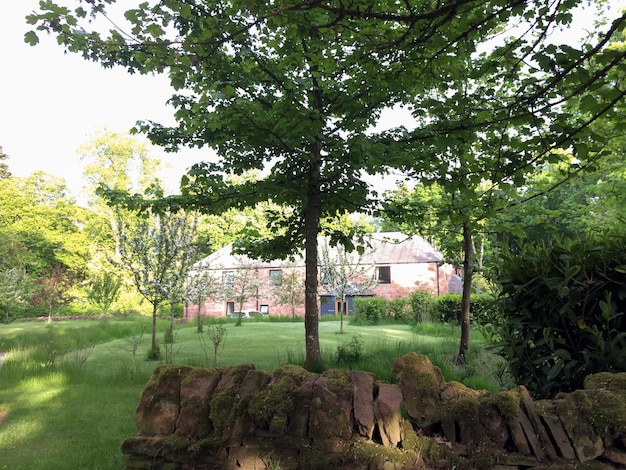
{"x": 228, "y": 278}
{"x": 265, "y": 309}
{"x": 230, "y": 308}
{"x": 383, "y": 274}
{"x": 276, "y": 277}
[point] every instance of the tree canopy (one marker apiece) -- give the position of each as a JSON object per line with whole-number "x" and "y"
{"x": 294, "y": 89}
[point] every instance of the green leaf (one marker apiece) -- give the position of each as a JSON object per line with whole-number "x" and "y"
{"x": 31, "y": 38}
{"x": 554, "y": 370}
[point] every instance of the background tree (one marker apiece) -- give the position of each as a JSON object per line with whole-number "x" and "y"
{"x": 343, "y": 273}
{"x": 13, "y": 290}
{"x": 117, "y": 161}
{"x": 42, "y": 230}
{"x": 154, "y": 249}
{"x": 479, "y": 136}
{"x": 201, "y": 284}
{"x": 104, "y": 290}
{"x": 241, "y": 285}
{"x": 4, "y": 168}
{"x": 121, "y": 162}
{"x": 563, "y": 201}
{"x": 53, "y": 290}
{"x": 290, "y": 289}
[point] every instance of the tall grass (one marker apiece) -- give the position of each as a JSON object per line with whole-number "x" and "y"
{"x": 69, "y": 390}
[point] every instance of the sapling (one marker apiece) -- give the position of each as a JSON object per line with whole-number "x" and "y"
{"x": 133, "y": 344}
{"x": 81, "y": 354}
{"x": 217, "y": 335}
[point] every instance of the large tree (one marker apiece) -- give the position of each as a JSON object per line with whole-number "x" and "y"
{"x": 295, "y": 87}
{"x": 490, "y": 124}
{"x": 119, "y": 161}
{"x": 41, "y": 226}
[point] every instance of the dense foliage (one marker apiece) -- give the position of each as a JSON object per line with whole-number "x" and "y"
{"x": 563, "y": 311}
{"x": 295, "y": 88}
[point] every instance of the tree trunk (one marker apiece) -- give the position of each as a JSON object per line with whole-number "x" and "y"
{"x": 313, "y": 210}
{"x": 154, "y": 354}
{"x": 468, "y": 270}
{"x": 199, "y": 319}
{"x": 341, "y": 315}
{"x": 311, "y": 309}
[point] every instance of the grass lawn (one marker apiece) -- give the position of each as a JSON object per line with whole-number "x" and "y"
{"x": 68, "y": 397}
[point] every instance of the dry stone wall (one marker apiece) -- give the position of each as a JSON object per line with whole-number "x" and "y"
{"x": 244, "y": 418}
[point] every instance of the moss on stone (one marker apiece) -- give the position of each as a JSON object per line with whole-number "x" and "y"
{"x": 270, "y": 408}
{"x": 166, "y": 374}
{"x": 222, "y": 410}
{"x": 421, "y": 383}
{"x": 408, "y": 435}
{"x": 297, "y": 373}
{"x": 608, "y": 381}
{"x": 238, "y": 372}
{"x": 426, "y": 447}
{"x": 175, "y": 443}
{"x": 203, "y": 446}
{"x": 463, "y": 414}
{"x": 366, "y": 453}
{"x": 198, "y": 373}
{"x": 507, "y": 402}
{"x": 482, "y": 459}
{"x": 339, "y": 382}
{"x": 361, "y": 454}
{"x": 603, "y": 409}
{"x": 433, "y": 451}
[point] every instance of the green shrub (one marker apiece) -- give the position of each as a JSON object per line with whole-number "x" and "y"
{"x": 447, "y": 308}
{"x": 486, "y": 316}
{"x": 421, "y": 303}
{"x": 563, "y": 307}
{"x": 369, "y": 310}
{"x": 398, "y": 309}
{"x": 349, "y": 355}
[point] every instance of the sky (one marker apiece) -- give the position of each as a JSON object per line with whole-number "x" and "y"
{"x": 51, "y": 103}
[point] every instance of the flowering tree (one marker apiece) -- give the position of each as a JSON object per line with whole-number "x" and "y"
{"x": 290, "y": 289}
{"x": 201, "y": 284}
{"x": 158, "y": 252}
{"x": 242, "y": 285}
{"x": 344, "y": 274}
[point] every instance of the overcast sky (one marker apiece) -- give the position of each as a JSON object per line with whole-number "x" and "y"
{"x": 51, "y": 102}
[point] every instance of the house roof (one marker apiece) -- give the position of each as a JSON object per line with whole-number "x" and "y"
{"x": 384, "y": 248}
{"x": 398, "y": 248}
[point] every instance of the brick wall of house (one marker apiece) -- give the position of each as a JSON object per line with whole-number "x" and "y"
{"x": 405, "y": 278}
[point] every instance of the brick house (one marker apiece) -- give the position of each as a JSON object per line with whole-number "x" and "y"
{"x": 400, "y": 265}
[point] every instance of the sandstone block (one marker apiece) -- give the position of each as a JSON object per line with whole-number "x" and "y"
{"x": 387, "y": 413}
{"x": 363, "y": 402}
{"x": 159, "y": 405}
{"x": 421, "y": 384}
